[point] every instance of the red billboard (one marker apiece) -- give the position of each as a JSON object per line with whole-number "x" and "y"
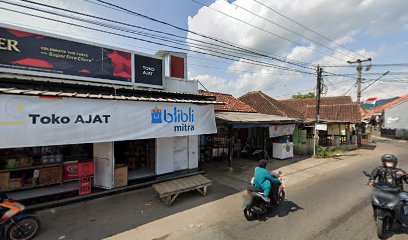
{"x": 35, "y": 53}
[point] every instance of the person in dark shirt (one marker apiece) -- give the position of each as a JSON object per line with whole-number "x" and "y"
{"x": 389, "y": 172}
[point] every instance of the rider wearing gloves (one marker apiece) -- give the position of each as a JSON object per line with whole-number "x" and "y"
{"x": 263, "y": 179}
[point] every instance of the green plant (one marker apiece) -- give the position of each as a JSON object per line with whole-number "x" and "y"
{"x": 327, "y": 152}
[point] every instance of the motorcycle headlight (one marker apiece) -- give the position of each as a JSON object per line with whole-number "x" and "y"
{"x": 375, "y": 200}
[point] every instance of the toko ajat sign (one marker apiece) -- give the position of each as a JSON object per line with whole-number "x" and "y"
{"x": 26, "y": 52}
{"x": 35, "y": 121}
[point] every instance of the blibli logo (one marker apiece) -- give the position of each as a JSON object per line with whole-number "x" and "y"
{"x": 156, "y": 115}
{"x": 184, "y": 119}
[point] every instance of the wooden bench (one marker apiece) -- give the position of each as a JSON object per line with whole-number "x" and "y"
{"x": 168, "y": 191}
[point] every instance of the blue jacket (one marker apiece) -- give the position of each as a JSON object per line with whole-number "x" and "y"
{"x": 261, "y": 175}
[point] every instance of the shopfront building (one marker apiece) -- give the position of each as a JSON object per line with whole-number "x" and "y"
{"x": 124, "y": 116}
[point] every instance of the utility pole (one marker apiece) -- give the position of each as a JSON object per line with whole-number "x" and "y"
{"x": 319, "y": 71}
{"x": 359, "y": 70}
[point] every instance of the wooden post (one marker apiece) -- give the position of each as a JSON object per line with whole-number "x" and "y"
{"x": 230, "y": 142}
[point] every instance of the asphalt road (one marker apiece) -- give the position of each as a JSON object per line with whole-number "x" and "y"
{"x": 334, "y": 206}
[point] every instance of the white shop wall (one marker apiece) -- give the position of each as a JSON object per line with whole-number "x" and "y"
{"x": 176, "y": 153}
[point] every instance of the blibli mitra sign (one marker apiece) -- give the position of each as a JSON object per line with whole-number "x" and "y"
{"x": 183, "y": 120}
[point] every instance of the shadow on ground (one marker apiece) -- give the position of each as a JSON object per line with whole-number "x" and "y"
{"x": 369, "y": 146}
{"x": 281, "y": 211}
{"x": 108, "y": 216}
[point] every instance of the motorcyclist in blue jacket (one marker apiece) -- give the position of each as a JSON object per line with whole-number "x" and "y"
{"x": 263, "y": 179}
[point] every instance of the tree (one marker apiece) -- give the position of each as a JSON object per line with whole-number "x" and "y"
{"x": 304, "y": 96}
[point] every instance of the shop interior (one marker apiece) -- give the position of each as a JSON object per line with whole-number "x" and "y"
{"x": 33, "y": 167}
{"x": 138, "y": 156}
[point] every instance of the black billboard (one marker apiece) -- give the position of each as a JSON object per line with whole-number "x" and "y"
{"x": 148, "y": 70}
{"x": 37, "y": 53}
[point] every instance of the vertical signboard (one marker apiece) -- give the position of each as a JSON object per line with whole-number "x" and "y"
{"x": 148, "y": 70}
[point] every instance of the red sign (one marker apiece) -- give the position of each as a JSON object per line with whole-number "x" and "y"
{"x": 38, "y": 53}
{"x": 70, "y": 170}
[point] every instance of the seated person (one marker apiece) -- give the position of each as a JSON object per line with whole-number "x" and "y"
{"x": 263, "y": 179}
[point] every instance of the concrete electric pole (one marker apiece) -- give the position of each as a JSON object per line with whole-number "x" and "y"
{"x": 359, "y": 70}
{"x": 318, "y": 93}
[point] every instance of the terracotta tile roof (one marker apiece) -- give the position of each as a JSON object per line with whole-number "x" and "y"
{"x": 332, "y": 109}
{"x": 300, "y": 104}
{"x": 232, "y": 104}
{"x": 349, "y": 113}
{"x": 263, "y": 103}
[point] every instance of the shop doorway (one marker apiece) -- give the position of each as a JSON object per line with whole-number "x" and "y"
{"x": 138, "y": 155}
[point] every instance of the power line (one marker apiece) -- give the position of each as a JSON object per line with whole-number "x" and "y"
{"x": 375, "y": 81}
{"x": 307, "y": 28}
{"x": 251, "y": 61}
{"x": 117, "y": 7}
{"x": 350, "y": 88}
{"x": 289, "y": 30}
{"x": 373, "y": 65}
{"x": 266, "y": 31}
{"x": 235, "y": 70}
{"x": 234, "y": 50}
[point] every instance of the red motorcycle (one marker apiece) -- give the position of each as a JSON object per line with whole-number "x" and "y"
{"x": 20, "y": 224}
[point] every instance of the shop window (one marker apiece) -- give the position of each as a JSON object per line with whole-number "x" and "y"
{"x": 30, "y": 167}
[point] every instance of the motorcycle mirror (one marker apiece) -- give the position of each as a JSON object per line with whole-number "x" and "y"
{"x": 366, "y": 173}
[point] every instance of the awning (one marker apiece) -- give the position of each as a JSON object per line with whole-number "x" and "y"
{"x": 36, "y": 86}
{"x": 33, "y": 92}
{"x": 240, "y": 118}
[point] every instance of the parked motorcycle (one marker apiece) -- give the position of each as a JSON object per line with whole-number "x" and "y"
{"x": 388, "y": 204}
{"x": 20, "y": 224}
{"x": 256, "y": 154}
{"x": 254, "y": 204}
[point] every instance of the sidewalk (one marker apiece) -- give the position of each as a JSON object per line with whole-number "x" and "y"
{"x": 215, "y": 212}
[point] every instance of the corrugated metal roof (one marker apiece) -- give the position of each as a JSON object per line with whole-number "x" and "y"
{"x": 32, "y": 92}
{"x": 240, "y": 117}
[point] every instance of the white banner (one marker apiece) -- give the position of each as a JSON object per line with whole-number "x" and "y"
{"x": 321, "y": 126}
{"x": 281, "y": 130}
{"x": 40, "y": 121}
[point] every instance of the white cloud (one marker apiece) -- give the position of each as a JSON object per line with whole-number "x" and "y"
{"x": 301, "y": 53}
{"x": 342, "y": 21}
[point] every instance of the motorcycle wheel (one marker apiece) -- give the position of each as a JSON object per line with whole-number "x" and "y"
{"x": 249, "y": 215}
{"x": 382, "y": 227}
{"x": 281, "y": 199}
{"x": 25, "y": 229}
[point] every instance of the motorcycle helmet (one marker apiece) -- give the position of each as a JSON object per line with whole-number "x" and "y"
{"x": 389, "y": 161}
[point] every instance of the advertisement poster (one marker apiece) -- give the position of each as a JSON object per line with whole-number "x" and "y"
{"x": 281, "y": 130}
{"x": 148, "y": 70}
{"x": 37, "y": 53}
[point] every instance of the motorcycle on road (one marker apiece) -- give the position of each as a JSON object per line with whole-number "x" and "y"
{"x": 20, "y": 224}
{"x": 388, "y": 203}
{"x": 254, "y": 204}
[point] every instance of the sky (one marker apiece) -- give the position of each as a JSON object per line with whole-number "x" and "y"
{"x": 357, "y": 28}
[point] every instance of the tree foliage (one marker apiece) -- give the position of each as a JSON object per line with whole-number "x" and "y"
{"x": 304, "y": 96}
